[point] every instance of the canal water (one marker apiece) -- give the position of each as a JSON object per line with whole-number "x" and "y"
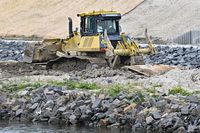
{"x": 16, "y": 127}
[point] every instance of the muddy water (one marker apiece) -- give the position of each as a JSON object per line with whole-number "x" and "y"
{"x": 15, "y": 127}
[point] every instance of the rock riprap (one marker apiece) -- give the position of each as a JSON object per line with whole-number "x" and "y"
{"x": 184, "y": 56}
{"x": 11, "y": 50}
{"x": 137, "y": 111}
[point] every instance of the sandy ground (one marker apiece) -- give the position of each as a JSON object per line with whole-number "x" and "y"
{"x": 163, "y": 18}
{"x": 47, "y": 18}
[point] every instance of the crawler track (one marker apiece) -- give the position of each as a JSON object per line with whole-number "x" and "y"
{"x": 71, "y": 63}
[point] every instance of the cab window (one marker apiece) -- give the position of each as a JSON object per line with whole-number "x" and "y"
{"x": 109, "y": 25}
{"x": 88, "y": 25}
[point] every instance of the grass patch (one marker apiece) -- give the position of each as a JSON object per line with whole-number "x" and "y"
{"x": 113, "y": 90}
{"x": 36, "y": 84}
{"x": 150, "y": 90}
{"x": 178, "y": 90}
{"x": 56, "y": 83}
{"x": 20, "y": 86}
{"x": 81, "y": 85}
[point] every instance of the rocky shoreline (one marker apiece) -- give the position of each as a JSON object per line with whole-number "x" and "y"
{"x": 146, "y": 111}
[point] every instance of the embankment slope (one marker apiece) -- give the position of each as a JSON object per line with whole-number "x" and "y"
{"x": 47, "y": 18}
{"x": 164, "y": 18}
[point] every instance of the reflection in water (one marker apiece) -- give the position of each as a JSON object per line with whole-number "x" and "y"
{"x": 6, "y": 127}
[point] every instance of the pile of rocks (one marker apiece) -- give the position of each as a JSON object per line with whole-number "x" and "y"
{"x": 141, "y": 112}
{"x": 4, "y": 110}
{"x": 184, "y": 56}
{"x": 103, "y": 72}
{"x": 11, "y": 50}
{"x": 105, "y": 75}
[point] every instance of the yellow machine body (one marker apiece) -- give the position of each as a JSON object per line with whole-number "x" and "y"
{"x": 82, "y": 44}
{"x": 95, "y": 13}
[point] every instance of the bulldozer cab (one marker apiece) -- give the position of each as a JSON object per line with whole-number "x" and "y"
{"x": 97, "y": 22}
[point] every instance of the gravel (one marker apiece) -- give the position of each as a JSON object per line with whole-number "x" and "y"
{"x": 187, "y": 79}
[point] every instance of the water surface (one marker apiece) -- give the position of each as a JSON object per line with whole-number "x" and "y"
{"x": 16, "y": 127}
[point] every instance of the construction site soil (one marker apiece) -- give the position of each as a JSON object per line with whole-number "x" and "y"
{"x": 184, "y": 57}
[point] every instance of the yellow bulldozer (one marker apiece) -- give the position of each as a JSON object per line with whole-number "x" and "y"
{"x": 99, "y": 43}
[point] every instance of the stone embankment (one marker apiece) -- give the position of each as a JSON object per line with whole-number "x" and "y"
{"x": 140, "y": 112}
{"x": 12, "y": 49}
{"x": 183, "y": 56}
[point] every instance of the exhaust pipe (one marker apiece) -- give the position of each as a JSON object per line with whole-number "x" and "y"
{"x": 70, "y": 27}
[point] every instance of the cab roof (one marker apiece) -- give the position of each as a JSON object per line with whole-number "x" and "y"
{"x": 101, "y": 12}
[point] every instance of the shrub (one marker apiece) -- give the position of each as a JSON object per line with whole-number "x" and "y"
{"x": 178, "y": 90}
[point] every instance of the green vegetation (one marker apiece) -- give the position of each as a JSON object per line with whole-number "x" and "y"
{"x": 81, "y": 85}
{"x": 36, "y": 84}
{"x": 178, "y": 90}
{"x": 111, "y": 90}
{"x": 115, "y": 89}
{"x": 56, "y": 83}
{"x": 151, "y": 90}
{"x": 20, "y": 86}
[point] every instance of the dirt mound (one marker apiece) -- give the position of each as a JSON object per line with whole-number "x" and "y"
{"x": 163, "y": 18}
{"x": 47, "y": 18}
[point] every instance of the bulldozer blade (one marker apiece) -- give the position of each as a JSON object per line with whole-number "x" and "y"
{"x": 29, "y": 53}
{"x": 150, "y": 70}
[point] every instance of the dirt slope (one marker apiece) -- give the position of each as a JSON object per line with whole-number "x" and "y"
{"x": 48, "y": 17}
{"x": 163, "y": 18}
